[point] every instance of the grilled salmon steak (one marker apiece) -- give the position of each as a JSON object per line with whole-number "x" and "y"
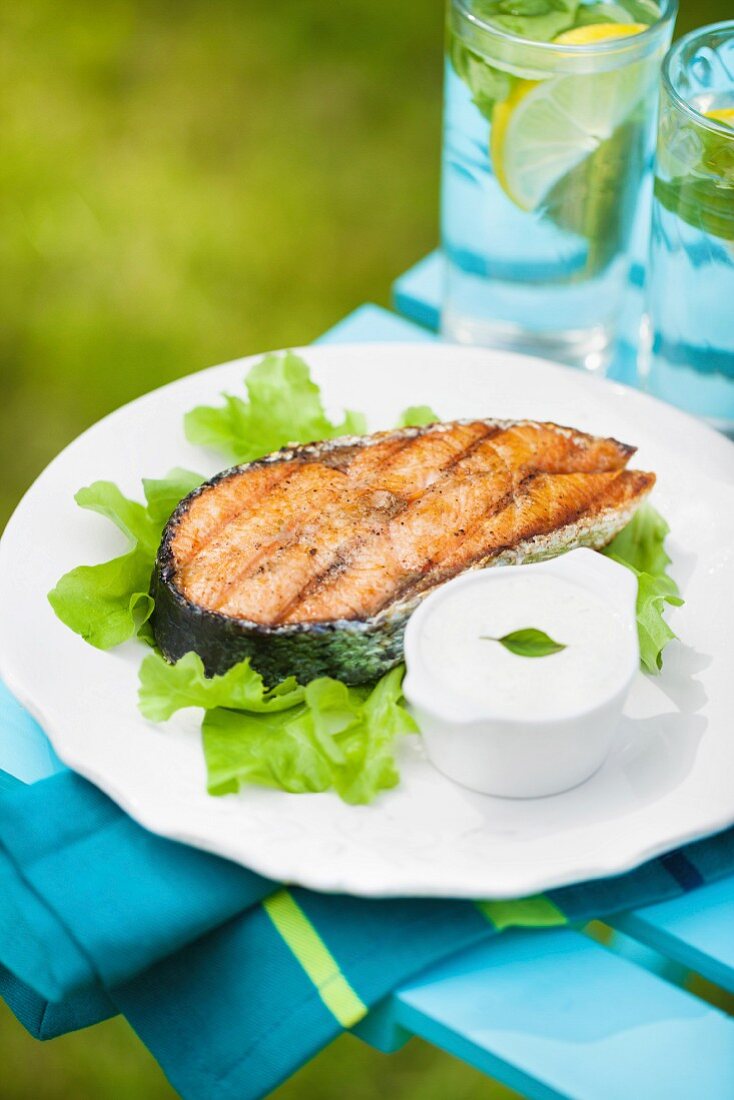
{"x": 310, "y": 561}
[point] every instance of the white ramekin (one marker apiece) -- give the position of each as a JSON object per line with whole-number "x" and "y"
{"x": 524, "y": 757}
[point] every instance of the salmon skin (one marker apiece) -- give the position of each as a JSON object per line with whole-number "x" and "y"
{"x": 310, "y": 561}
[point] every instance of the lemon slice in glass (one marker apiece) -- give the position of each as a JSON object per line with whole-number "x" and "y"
{"x": 722, "y": 114}
{"x": 598, "y": 32}
{"x": 546, "y": 128}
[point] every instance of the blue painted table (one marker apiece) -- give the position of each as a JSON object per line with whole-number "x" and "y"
{"x": 585, "y": 1013}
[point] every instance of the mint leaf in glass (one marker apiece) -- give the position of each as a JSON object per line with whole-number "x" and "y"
{"x": 695, "y": 178}
{"x": 486, "y": 84}
{"x": 590, "y": 14}
{"x": 536, "y": 20}
{"x": 703, "y": 204}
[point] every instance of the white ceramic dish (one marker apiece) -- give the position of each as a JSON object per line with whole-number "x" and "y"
{"x": 667, "y": 780}
{"x": 525, "y": 754}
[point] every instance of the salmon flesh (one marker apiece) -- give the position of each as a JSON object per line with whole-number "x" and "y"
{"x": 310, "y": 561}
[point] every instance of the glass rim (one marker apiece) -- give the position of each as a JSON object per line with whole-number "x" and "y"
{"x": 672, "y": 55}
{"x": 668, "y": 9}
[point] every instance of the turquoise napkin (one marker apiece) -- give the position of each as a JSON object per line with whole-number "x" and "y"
{"x": 231, "y": 981}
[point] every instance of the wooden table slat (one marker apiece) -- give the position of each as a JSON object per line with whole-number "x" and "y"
{"x": 553, "y": 1014}
{"x": 696, "y": 930}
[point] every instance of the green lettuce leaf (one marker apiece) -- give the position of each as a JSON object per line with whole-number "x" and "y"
{"x": 128, "y": 516}
{"x": 167, "y": 688}
{"x": 108, "y": 603}
{"x": 245, "y": 748}
{"x": 417, "y": 416}
{"x": 284, "y": 406}
{"x": 640, "y": 546}
{"x": 162, "y": 495}
{"x": 326, "y": 736}
{"x": 653, "y": 594}
{"x": 368, "y": 746}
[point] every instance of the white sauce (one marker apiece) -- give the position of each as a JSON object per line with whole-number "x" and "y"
{"x": 464, "y": 666}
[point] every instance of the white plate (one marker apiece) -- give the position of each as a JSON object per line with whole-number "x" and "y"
{"x": 669, "y": 779}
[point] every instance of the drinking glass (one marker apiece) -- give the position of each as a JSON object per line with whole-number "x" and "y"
{"x": 549, "y": 126}
{"x": 691, "y": 277}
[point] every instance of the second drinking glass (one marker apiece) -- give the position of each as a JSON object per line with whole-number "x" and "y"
{"x": 691, "y": 280}
{"x": 548, "y": 135}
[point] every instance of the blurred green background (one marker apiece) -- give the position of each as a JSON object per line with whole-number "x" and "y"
{"x": 183, "y": 183}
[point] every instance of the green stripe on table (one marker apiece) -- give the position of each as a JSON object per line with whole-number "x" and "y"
{"x": 315, "y": 958}
{"x": 535, "y": 912}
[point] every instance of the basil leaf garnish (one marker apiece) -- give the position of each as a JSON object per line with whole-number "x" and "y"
{"x": 528, "y": 643}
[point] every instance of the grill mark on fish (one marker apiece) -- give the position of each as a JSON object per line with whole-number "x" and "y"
{"x": 267, "y": 476}
{"x": 298, "y": 551}
{"x": 343, "y": 557}
{"x": 416, "y": 579}
{"x": 206, "y": 519}
{"x": 596, "y": 494}
{"x": 370, "y": 459}
{"x": 356, "y": 573}
{"x": 378, "y": 474}
{"x": 249, "y": 536}
{"x": 341, "y": 530}
{"x": 377, "y": 571}
{"x": 291, "y": 564}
